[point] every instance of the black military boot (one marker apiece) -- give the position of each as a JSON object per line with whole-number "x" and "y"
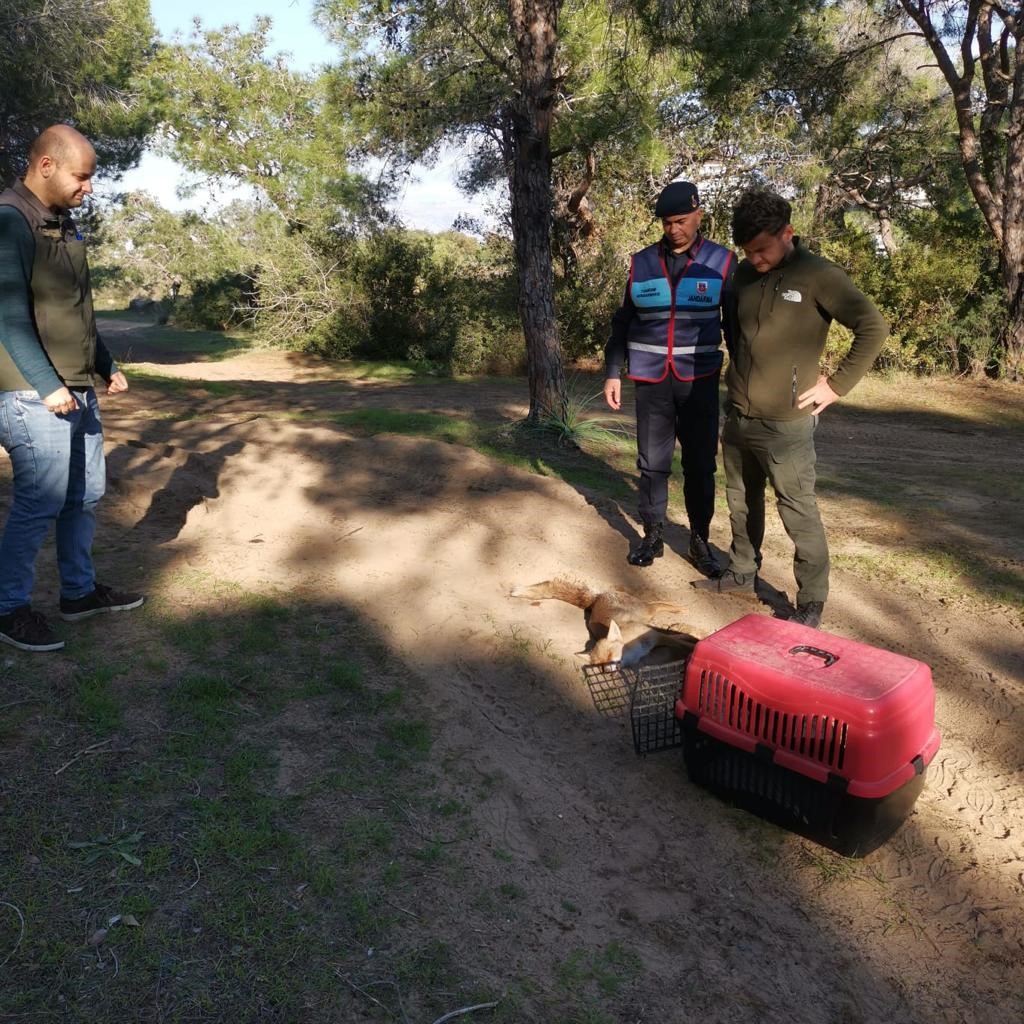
{"x": 651, "y": 547}
{"x": 809, "y": 614}
{"x": 702, "y": 557}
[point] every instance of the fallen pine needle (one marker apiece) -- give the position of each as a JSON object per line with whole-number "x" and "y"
{"x": 21, "y": 934}
{"x": 196, "y": 882}
{"x": 466, "y": 1009}
{"x": 362, "y": 991}
{"x": 82, "y": 753}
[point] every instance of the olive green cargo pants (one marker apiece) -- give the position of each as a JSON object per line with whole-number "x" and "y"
{"x": 780, "y": 451}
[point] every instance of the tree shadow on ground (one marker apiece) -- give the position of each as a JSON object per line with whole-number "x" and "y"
{"x": 232, "y": 782}
{"x": 255, "y": 792}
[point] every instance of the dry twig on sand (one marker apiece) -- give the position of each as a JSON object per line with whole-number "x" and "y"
{"x": 466, "y": 1009}
{"x": 21, "y": 934}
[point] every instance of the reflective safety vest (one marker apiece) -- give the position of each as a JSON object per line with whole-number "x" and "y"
{"x": 677, "y": 326}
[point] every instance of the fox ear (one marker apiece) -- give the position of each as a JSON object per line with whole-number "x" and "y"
{"x": 614, "y": 633}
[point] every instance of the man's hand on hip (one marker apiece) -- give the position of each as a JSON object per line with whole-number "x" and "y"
{"x": 117, "y": 384}
{"x": 61, "y": 401}
{"x": 613, "y": 392}
{"x": 820, "y": 397}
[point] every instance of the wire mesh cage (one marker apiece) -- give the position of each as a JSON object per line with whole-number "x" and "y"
{"x": 647, "y": 693}
{"x": 611, "y": 688}
{"x": 652, "y": 707}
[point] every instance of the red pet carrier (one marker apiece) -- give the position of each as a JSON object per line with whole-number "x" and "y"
{"x": 824, "y": 735}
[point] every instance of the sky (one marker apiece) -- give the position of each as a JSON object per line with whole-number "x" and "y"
{"x": 430, "y": 201}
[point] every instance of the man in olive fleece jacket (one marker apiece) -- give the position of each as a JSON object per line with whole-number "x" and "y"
{"x": 785, "y": 301}
{"x": 50, "y": 358}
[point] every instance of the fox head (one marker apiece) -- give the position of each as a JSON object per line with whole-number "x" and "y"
{"x": 608, "y": 650}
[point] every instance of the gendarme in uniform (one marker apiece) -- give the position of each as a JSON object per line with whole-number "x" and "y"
{"x": 669, "y": 331}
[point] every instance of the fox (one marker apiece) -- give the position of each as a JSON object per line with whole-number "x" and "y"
{"x": 624, "y": 629}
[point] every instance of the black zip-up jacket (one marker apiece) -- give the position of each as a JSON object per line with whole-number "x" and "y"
{"x": 48, "y": 332}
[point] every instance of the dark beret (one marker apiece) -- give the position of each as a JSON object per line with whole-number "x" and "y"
{"x": 677, "y": 197}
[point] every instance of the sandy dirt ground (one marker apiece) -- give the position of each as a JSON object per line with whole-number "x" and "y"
{"x": 733, "y": 918}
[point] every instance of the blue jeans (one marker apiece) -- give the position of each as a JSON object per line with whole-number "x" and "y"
{"x": 59, "y": 475}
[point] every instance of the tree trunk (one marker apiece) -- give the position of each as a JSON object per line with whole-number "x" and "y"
{"x": 885, "y": 232}
{"x": 829, "y": 214}
{"x": 1011, "y": 341}
{"x": 534, "y": 26}
{"x": 990, "y": 127}
{"x": 1012, "y": 251}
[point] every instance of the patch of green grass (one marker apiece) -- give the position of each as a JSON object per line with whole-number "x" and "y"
{"x": 246, "y": 768}
{"x": 376, "y": 370}
{"x": 451, "y": 808}
{"x": 195, "y": 635}
{"x": 365, "y": 838}
{"x": 214, "y": 345}
{"x": 405, "y": 738}
{"x": 96, "y": 704}
{"x": 365, "y": 916}
{"x": 510, "y": 891}
{"x": 419, "y": 424}
{"x": 609, "y": 470}
{"x": 262, "y": 620}
{"x": 607, "y": 970}
{"x": 323, "y": 881}
{"x": 240, "y": 830}
{"x": 252, "y": 881}
{"x": 169, "y": 385}
{"x": 378, "y": 701}
{"x": 944, "y": 573}
{"x": 431, "y": 854}
{"x": 430, "y": 965}
{"x": 346, "y": 677}
{"x": 200, "y": 694}
{"x": 157, "y": 859}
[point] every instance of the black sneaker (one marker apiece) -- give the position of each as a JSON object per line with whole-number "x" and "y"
{"x": 809, "y": 614}
{"x": 28, "y": 631}
{"x": 703, "y": 560}
{"x": 728, "y": 583}
{"x": 651, "y": 547}
{"x": 102, "y": 599}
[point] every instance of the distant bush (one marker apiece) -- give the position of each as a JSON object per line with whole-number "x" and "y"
{"x": 435, "y": 300}
{"x": 216, "y": 305}
{"x": 939, "y": 295}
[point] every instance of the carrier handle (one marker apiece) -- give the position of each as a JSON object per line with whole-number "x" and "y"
{"x": 828, "y": 656}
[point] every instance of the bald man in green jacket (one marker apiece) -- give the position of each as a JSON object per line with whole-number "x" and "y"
{"x": 785, "y": 301}
{"x": 51, "y": 359}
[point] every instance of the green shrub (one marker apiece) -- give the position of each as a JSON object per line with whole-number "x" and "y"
{"x": 218, "y": 304}
{"x": 938, "y": 293}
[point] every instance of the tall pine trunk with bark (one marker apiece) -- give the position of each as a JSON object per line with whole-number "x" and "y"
{"x": 1012, "y": 264}
{"x": 534, "y": 25}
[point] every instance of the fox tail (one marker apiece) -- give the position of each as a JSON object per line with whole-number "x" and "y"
{"x": 558, "y": 590}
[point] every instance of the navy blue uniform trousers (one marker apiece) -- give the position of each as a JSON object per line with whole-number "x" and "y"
{"x": 686, "y": 411}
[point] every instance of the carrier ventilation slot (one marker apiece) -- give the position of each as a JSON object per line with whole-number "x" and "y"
{"x": 818, "y": 737}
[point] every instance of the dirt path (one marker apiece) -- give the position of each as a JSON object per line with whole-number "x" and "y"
{"x": 732, "y": 919}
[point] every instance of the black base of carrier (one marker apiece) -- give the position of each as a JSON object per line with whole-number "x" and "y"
{"x": 824, "y": 812}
